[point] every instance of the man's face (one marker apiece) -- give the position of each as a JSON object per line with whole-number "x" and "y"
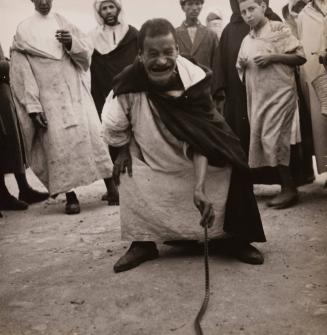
{"x": 109, "y": 12}
{"x": 43, "y": 6}
{"x": 192, "y": 9}
{"x": 159, "y": 58}
{"x": 252, "y": 13}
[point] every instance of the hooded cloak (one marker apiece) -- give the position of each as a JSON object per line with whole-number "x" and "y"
{"x": 114, "y": 48}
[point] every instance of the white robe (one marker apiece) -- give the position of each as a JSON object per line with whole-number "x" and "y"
{"x": 71, "y": 152}
{"x": 157, "y": 202}
{"x": 271, "y": 95}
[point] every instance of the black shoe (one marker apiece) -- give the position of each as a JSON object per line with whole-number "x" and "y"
{"x": 72, "y": 206}
{"x": 247, "y": 253}
{"x": 242, "y": 250}
{"x": 138, "y": 253}
{"x": 31, "y": 196}
{"x": 10, "y": 203}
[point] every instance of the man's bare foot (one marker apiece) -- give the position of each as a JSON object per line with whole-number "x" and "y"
{"x": 286, "y": 198}
{"x": 138, "y": 253}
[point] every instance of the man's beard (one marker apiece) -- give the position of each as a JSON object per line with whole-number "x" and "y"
{"x": 112, "y": 22}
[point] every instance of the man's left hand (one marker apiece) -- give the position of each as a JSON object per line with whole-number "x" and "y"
{"x": 205, "y": 208}
{"x": 65, "y": 38}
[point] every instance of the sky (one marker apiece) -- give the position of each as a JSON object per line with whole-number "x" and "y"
{"x": 80, "y": 13}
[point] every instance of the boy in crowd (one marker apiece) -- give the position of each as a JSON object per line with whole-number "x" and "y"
{"x": 267, "y": 57}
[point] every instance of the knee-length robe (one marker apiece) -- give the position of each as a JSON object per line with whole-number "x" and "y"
{"x": 71, "y": 152}
{"x": 311, "y": 27}
{"x": 271, "y": 95}
{"x": 156, "y": 202}
{"x": 12, "y": 158}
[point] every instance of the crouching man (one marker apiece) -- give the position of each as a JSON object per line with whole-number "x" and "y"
{"x": 175, "y": 148}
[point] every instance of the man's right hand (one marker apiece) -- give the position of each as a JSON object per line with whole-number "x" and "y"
{"x": 39, "y": 120}
{"x": 122, "y": 163}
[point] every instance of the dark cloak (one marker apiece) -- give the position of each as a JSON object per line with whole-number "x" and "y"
{"x": 235, "y": 111}
{"x": 12, "y": 157}
{"x": 105, "y": 67}
{"x": 192, "y": 118}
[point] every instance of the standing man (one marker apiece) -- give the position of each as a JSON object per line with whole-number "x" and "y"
{"x": 59, "y": 121}
{"x": 176, "y": 147}
{"x": 115, "y": 47}
{"x": 312, "y": 20}
{"x": 12, "y": 155}
{"x": 194, "y": 39}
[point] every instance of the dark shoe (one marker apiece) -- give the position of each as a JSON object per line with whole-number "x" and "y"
{"x": 247, "y": 253}
{"x": 10, "y": 203}
{"x": 72, "y": 208}
{"x": 283, "y": 200}
{"x": 241, "y": 250}
{"x": 31, "y": 196}
{"x": 139, "y": 252}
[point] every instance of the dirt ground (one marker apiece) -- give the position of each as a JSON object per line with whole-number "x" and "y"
{"x": 56, "y": 275}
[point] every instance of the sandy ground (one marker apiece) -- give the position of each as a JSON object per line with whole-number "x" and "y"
{"x": 56, "y": 275}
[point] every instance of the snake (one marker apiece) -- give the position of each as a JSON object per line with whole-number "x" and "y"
{"x": 204, "y": 307}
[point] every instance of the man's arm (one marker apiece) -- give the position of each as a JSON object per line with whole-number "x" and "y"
{"x": 287, "y": 59}
{"x": 116, "y": 131}
{"x": 76, "y": 44}
{"x": 201, "y": 201}
{"x": 25, "y": 88}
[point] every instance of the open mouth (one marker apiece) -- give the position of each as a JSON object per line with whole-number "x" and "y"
{"x": 160, "y": 71}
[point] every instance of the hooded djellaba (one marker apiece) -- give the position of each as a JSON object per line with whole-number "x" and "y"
{"x": 235, "y": 109}
{"x": 115, "y": 47}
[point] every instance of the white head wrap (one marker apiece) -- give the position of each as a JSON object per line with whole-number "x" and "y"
{"x": 105, "y": 38}
{"x": 217, "y": 17}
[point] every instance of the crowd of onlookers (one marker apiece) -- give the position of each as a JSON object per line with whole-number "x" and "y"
{"x": 269, "y": 82}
